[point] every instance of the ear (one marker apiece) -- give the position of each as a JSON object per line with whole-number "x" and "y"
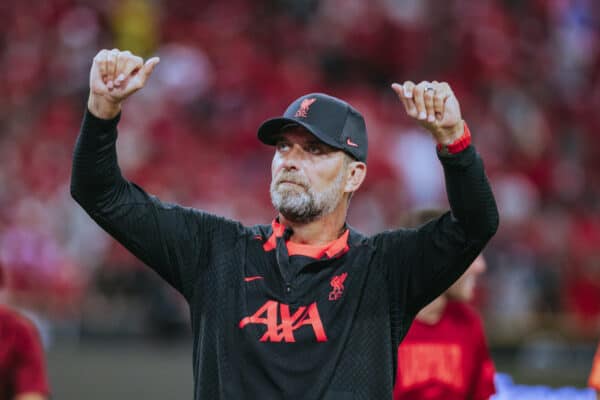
{"x": 356, "y": 173}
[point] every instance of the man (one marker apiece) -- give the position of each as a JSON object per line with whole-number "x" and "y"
{"x": 22, "y": 367}
{"x": 445, "y": 355}
{"x": 304, "y": 308}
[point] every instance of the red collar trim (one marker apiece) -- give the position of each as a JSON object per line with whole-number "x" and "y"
{"x": 334, "y": 248}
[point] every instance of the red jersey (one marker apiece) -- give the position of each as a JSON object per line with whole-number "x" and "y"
{"x": 22, "y": 368}
{"x": 595, "y": 374}
{"x": 448, "y": 360}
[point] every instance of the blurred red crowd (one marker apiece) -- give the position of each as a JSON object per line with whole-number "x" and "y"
{"x": 526, "y": 74}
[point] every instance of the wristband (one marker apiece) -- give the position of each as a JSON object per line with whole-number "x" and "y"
{"x": 458, "y": 145}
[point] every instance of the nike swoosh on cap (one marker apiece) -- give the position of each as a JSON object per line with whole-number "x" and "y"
{"x": 351, "y": 143}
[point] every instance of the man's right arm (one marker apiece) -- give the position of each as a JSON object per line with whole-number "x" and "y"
{"x": 155, "y": 232}
{"x": 173, "y": 240}
{"x": 424, "y": 262}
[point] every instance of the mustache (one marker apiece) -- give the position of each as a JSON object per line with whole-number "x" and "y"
{"x": 293, "y": 178}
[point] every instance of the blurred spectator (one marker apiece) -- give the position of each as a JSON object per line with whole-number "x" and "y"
{"x": 22, "y": 365}
{"x": 22, "y": 368}
{"x": 594, "y": 381}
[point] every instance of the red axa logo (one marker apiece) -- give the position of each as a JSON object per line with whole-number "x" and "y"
{"x": 304, "y": 106}
{"x": 337, "y": 283}
{"x": 281, "y": 323}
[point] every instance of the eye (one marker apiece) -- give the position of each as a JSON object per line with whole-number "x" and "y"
{"x": 282, "y": 146}
{"x": 314, "y": 148}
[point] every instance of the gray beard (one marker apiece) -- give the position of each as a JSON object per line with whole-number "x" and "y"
{"x": 301, "y": 204}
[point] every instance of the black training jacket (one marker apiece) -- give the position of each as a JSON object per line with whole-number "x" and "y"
{"x": 329, "y": 330}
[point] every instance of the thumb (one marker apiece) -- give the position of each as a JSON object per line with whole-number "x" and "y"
{"x": 147, "y": 69}
{"x": 149, "y": 66}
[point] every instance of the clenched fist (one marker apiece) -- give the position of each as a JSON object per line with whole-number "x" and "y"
{"x": 116, "y": 75}
{"x": 434, "y": 105}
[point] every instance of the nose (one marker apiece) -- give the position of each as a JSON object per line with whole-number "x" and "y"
{"x": 291, "y": 159}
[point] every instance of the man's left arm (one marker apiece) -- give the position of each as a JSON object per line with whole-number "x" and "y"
{"x": 435, "y": 107}
{"x": 443, "y": 249}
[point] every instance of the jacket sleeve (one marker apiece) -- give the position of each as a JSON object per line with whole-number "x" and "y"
{"x": 173, "y": 240}
{"x": 422, "y": 263}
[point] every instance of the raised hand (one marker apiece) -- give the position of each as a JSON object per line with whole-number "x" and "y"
{"x": 116, "y": 75}
{"x": 434, "y": 106}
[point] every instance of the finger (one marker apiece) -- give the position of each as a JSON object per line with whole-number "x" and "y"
{"x": 121, "y": 63}
{"x": 111, "y": 67}
{"x": 419, "y": 100}
{"x": 428, "y": 96}
{"x": 148, "y": 67}
{"x": 400, "y": 93}
{"x": 408, "y": 99}
{"x": 101, "y": 60}
{"x": 96, "y": 71}
{"x": 146, "y": 71}
{"x": 443, "y": 91}
{"x": 408, "y": 86}
{"x": 397, "y": 88}
{"x": 97, "y": 83}
{"x": 129, "y": 64}
{"x": 439, "y": 102}
{"x": 118, "y": 64}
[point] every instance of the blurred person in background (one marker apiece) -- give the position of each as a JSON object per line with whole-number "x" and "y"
{"x": 305, "y": 307}
{"x": 22, "y": 365}
{"x": 594, "y": 381}
{"x": 445, "y": 354}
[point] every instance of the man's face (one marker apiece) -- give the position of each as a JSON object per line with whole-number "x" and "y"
{"x": 307, "y": 176}
{"x": 464, "y": 288}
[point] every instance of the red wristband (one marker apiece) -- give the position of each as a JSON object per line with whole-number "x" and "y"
{"x": 459, "y": 144}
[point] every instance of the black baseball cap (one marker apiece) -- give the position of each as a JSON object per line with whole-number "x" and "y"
{"x": 331, "y": 120}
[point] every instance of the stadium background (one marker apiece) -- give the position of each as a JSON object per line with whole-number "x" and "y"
{"x": 527, "y": 76}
